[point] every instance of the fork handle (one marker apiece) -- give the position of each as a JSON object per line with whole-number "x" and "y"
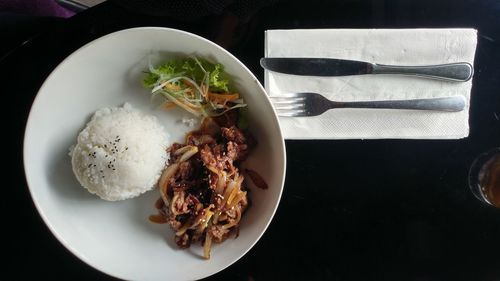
{"x": 451, "y": 104}
{"x": 461, "y": 71}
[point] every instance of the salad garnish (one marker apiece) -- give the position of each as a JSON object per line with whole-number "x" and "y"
{"x": 196, "y": 85}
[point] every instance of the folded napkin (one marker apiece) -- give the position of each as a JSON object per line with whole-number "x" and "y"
{"x": 384, "y": 46}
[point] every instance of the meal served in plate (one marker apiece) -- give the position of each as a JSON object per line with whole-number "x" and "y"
{"x": 203, "y": 193}
{"x": 131, "y": 246}
{"x": 120, "y": 154}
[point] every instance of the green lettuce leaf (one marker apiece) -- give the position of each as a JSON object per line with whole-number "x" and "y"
{"x": 217, "y": 82}
{"x": 196, "y": 69}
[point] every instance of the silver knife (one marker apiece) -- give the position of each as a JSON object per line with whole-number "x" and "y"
{"x": 460, "y": 72}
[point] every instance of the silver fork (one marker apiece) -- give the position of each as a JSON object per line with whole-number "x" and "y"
{"x": 313, "y": 104}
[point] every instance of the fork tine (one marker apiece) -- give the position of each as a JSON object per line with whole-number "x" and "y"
{"x": 286, "y": 100}
{"x": 292, "y": 113}
{"x": 288, "y": 106}
{"x": 289, "y": 95}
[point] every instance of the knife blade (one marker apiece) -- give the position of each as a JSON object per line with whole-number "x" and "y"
{"x": 458, "y": 72}
{"x": 316, "y": 66}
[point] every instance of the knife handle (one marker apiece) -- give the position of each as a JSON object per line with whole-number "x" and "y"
{"x": 459, "y": 72}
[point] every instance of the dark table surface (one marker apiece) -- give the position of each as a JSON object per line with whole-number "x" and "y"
{"x": 351, "y": 209}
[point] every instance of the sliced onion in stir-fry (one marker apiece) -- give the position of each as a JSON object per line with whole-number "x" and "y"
{"x": 208, "y": 216}
{"x": 177, "y": 196}
{"x": 213, "y": 169}
{"x": 237, "y": 199}
{"x": 232, "y": 195}
{"x": 231, "y": 189}
{"x": 235, "y": 221}
{"x": 183, "y": 229}
{"x": 192, "y": 151}
{"x": 207, "y": 245}
{"x": 221, "y": 182}
{"x": 163, "y": 182}
{"x": 182, "y": 149}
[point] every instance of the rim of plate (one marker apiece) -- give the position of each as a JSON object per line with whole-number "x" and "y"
{"x": 29, "y": 122}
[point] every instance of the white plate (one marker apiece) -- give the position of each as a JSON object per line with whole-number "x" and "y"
{"x": 117, "y": 237}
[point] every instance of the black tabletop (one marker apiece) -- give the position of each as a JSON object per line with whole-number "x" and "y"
{"x": 351, "y": 209}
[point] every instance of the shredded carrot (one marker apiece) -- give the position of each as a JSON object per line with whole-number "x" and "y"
{"x": 221, "y": 98}
{"x": 168, "y": 105}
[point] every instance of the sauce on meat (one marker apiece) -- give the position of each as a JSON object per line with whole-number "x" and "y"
{"x": 203, "y": 190}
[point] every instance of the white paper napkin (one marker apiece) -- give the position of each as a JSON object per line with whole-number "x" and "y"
{"x": 384, "y": 46}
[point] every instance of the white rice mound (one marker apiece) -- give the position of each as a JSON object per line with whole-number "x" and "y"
{"x": 120, "y": 154}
